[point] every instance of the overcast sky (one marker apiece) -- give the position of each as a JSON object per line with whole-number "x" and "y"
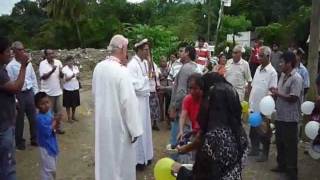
{"x": 6, "y": 5}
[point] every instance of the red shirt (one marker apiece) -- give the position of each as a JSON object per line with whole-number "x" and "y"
{"x": 203, "y": 56}
{"x": 192, "y": 106}
{"x": 254, "y": 56}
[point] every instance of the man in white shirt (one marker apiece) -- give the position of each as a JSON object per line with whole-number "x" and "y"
{"x": 50, "y": 74}
{"x": 25, "y": 97}
{"x": 264, "y": 80}
{"x": 117, "y": 120}
{"x": 138, "y": 68}
{"x": 238, "y": 72}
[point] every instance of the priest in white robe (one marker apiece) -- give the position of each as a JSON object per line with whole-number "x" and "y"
{"x": 138, "y": 67}
{"x": 117, "y": 122}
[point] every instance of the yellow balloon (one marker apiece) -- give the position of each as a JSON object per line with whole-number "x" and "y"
{"x": 162, "y": 170}
{"x": 245, "y": 106}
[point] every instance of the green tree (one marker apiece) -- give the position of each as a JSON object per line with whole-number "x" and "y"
{"x": 233, "y": 25}
{"x": 70, "y": 11}
{"x": 162, "y": 40}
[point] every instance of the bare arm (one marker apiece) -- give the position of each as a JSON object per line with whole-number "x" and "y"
{"x": 16, "y": 86}
{"x": 192, "y": 146}
{"x": 47, "y": 75}
{"x": 182, "y": 122}
{"x": 69, "y": 78}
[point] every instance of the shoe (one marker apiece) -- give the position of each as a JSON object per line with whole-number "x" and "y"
{"x": 149, "y": 162}
{"x": 140, "y": 167}
{"x": 253, "y": 153}
{"x": 21, "y": 147}
{"x": 155, "y": 127}
{"x": 60, "y": 131}
{"x": 262, "y": 158}
{"x": 70, "y": 121}
{"x": 75, "y": 119}
{"x": 278, "y": 170}
{"x": 34, "y": 143}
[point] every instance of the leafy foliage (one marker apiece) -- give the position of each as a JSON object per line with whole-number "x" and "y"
{"x": 163, "y": 41}
{"x": 88, "y": 23}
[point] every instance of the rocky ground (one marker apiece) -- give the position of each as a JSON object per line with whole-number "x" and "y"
{"x": 76, "y": 160}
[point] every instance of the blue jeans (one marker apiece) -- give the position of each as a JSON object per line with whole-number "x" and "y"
{"x": 174, "y": 131}
{"x": 7, "y": 155}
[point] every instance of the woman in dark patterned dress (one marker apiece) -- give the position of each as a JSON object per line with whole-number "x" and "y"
{"x": 222, "y": 142}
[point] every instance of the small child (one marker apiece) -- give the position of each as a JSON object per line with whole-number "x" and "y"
{"x": 191, "y": 105}
{"x": 46, "y": 127}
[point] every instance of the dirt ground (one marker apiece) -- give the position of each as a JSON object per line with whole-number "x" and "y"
{"x": 76, "y": 160}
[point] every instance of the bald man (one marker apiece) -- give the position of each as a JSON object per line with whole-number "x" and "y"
{"x": 117, "y": 120}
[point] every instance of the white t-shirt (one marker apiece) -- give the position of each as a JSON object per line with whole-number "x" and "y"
{"x": 73, "y": 84}
{"x": 51, "y": 86}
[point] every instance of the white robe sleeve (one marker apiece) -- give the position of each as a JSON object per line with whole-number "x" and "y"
{"x": 140, "y": 82}
{"x": 129, "y": 104}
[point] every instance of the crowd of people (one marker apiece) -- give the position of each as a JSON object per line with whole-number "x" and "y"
{"x": 199, "y": 100}
{"x": 20, "y": 95}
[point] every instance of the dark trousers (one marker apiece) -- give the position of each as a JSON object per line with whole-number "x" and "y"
{"x": 253, "y": 68}
{"x": 258, "y": 138}
{"x": 26, "y": 106}
{"x": 287, "y": 147}
{"x": 7, "y": 155}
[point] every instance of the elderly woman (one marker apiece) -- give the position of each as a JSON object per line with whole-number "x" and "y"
{"x": 222, "y": 142}
{"x": 71, "y": 97}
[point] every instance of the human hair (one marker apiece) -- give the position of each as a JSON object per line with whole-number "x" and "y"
{"x": 300, "y": 52}
{"x": 197, "y": 78}
{"x": 39, "y": 96}
{"x": 16, "y": 45}
{"x": 220, "y": 108}
{"x": 182, "y": 45}
{"x": 69, "y": 58}
{"x": 266, "y": 51}
{"x": 191, "y": 51}
{"x": 276, "y": 43}
{"x": 117, "y": 42}
{"x": 289, "y": 57}
{"x": 238, "y": 48}
{"x": 140, "y": 47}
{"x": 45, "y": 51}
{"x": 4, "y": 44}
{"x": 201, "y": 38}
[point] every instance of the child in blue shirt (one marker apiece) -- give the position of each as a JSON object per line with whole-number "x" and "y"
{"x": 46, "y": 127}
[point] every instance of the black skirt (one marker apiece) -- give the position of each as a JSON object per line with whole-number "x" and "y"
{"x": 71, "y": 98}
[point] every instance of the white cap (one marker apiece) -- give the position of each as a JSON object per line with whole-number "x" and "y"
{"x": 141, "y": 43}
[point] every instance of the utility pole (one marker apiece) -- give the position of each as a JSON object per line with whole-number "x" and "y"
{"x": 209, "y": 4}
{"x": 313, "y": 58}
{"x": 219, "y": 22}
{"x": 223, "y": 3}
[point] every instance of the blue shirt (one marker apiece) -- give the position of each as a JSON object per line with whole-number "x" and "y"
{"x": 302, "y": 70}
{"x": 30, "y": 83}
{"x": 46, "y": 136}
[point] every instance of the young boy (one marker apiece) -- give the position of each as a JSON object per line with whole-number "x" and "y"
{"x": 46, "y": 127}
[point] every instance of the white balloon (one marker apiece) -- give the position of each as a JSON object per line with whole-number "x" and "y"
{"x": 267, "y": 106}
{"x": 312, "y": 129}
{"x": 307, "y": 107}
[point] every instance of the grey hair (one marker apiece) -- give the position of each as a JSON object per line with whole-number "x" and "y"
{"x": 238, "y": 48}
{"x": 266, "y": 51}
{"x": 117, "y": 42}
{"x": 17, "y": 45}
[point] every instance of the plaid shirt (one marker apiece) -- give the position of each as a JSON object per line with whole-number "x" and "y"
{"x": 289, "y": 85}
